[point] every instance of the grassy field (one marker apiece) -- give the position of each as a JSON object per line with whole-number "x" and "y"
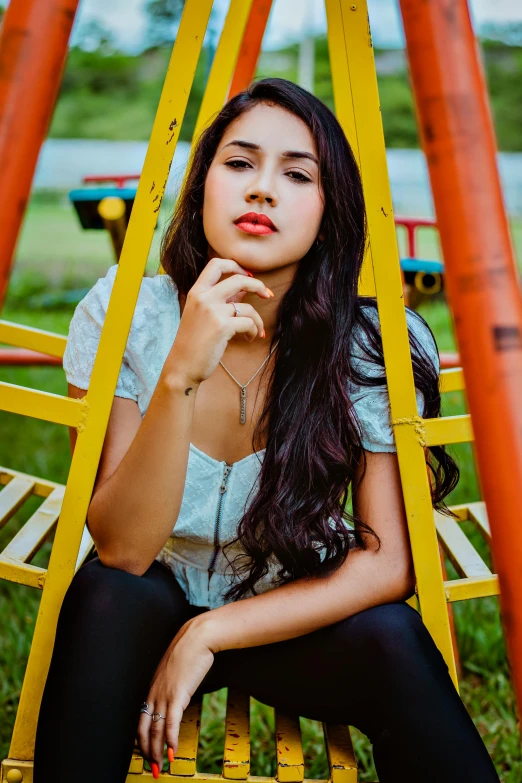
{"x": 55, "y": 255}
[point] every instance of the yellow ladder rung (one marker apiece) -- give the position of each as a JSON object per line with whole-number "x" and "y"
{"x": 236, "y": 756}
{"x": 449, "y": 429}
{"x": 22, "y": 573}
{"x": 451, "y": 380}
{"x": 32, "y": 339}
{"x": 185, "y": 759}
{"x": 463, "y": 555}
{"x": 289, "y": 748}
{"x": 41, "y": 405}
{"x": 340, "y": 752}
{"x": 14, "y": 495}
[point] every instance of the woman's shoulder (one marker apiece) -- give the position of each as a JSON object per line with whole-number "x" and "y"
{"x": 158, "y": 291}
{"x": 154, "y": 323}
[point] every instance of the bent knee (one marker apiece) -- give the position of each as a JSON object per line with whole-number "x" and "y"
{"x": 385, "y": 627}
{"x": 106, "y": 589}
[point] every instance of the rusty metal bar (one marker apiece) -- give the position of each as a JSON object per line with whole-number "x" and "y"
{"x": 481, "y": 280}
{"x": 33, "y": 46}
{"x": 250, "y": 46}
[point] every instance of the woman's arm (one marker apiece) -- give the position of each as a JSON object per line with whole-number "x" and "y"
{"x": 139, "y": 486}
{"x": 367, "y": 577}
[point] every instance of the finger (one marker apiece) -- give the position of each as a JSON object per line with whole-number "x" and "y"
{"x": 235, "y": 283}
{"x": 157, "y": 737}
{"x": 247, "y": 311}
{"x": 214, "y": 270}
{"x": 144, "y": 725}
{"x": 174, "y": 718}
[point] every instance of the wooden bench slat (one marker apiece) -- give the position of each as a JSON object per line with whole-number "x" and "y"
{"x": 289, "y": 748}
{"x": 26, "y": 543}
{"x": 185, "y": 759}
{"x": 340, "y": 752}
{"x": 462, "y": 554}
{"x": 479, "y": 515}
{"x": 236, "y": 756}
{"x": 14, "y": 495}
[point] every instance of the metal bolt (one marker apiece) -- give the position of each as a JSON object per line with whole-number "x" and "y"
{"x": 14, "y": 776}
{"x": 353, "y": 7}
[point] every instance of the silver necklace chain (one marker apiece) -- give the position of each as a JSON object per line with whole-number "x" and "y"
{"x": 242, "y": 393}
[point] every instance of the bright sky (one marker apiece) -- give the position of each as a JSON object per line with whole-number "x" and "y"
{"x": 288, "y": 19}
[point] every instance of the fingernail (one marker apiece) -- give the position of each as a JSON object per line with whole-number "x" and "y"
{"x": 263, "y": 333}
{"x": 170, "y": 754}
{"x": 249, "y": 273}
{"x": 155, "y": 769}
{"x": 270, "y": 292}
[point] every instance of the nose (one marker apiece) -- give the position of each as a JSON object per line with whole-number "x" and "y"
{"x": 262, "y": 190}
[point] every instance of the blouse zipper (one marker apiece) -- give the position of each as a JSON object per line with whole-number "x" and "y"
{"x": 222, "y": 490}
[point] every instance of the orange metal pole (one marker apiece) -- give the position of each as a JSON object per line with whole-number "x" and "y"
{"x": 250, "y": 46}
{"x": 481, "y": 279}
{"x": 33, "y": 47}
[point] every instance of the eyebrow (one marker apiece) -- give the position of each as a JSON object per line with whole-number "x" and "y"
{"x": 294, "y": 154}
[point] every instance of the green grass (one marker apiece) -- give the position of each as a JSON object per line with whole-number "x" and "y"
{"x": 54, "y": 253}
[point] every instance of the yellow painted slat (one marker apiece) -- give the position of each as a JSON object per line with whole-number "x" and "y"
{"x": 449, "y": 429}
{"x": 185, "y": 760}
{"x": 451, "y": 380}
{"x": 289, "y": 748}
{"x": 12, "y": 496}
{"x": 472, "y": 587}
{"x": 236, "y": 756}
{"x": 461, "y": 552}
{"x": 42, "y": 487}
{"x": 344, "y": 110}
{"x": 33, "y": 339}
{"x": 22, "y": 573}
{"x": 36, "y": 530}
{"x": 42, "y": 405}
{"x": 360, "y": 72}
{"x": 340, "y": 752}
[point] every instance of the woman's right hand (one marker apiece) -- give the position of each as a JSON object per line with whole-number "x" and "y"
{"x": 209, "y": 322}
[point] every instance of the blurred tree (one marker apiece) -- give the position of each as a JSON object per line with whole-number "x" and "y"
{"x": 163, "y": 17}
{"x": 93, "y": 36}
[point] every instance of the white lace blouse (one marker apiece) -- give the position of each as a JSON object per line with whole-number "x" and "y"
{"x": 215, "y": 492}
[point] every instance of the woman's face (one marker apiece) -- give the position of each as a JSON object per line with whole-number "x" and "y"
{"x": 265, "y": 164}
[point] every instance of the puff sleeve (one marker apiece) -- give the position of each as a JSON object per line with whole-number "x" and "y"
{"x": 83, "y": 338}
{"x": 372, "y": 403}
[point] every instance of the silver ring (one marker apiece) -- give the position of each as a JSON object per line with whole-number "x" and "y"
{"x": 161, "y": 717}
{"x": 236, "y": 308}
{"x": 145, "y": 708}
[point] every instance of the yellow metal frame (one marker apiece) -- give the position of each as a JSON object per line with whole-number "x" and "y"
{"x": 64, "y": 509}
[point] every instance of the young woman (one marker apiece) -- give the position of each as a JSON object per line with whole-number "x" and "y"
{"x": 251, "y": 397}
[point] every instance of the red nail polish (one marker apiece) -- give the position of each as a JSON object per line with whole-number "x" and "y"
{"x": 170, "y": 754}
{"x": 249, "y": 273}
{"x": 155, "y": 769}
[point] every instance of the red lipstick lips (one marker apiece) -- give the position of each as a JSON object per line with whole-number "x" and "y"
{"x": 255, "y": 223}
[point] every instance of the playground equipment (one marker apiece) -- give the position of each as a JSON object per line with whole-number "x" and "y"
{"x": 481, "y": 280}
{"x": 106, "y": 208}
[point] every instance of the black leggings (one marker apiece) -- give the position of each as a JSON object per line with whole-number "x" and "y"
{"x": 378, "y": 670}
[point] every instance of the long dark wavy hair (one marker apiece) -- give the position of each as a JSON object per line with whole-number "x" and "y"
{"x": 297, "y": 519}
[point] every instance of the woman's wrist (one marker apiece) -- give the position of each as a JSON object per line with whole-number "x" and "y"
{"x": 203, "y": 627}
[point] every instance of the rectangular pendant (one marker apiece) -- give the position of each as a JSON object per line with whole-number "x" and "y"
{"x": 242, "y": 405}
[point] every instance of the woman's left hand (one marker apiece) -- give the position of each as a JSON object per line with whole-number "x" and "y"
{"x": 180, "y": 672}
